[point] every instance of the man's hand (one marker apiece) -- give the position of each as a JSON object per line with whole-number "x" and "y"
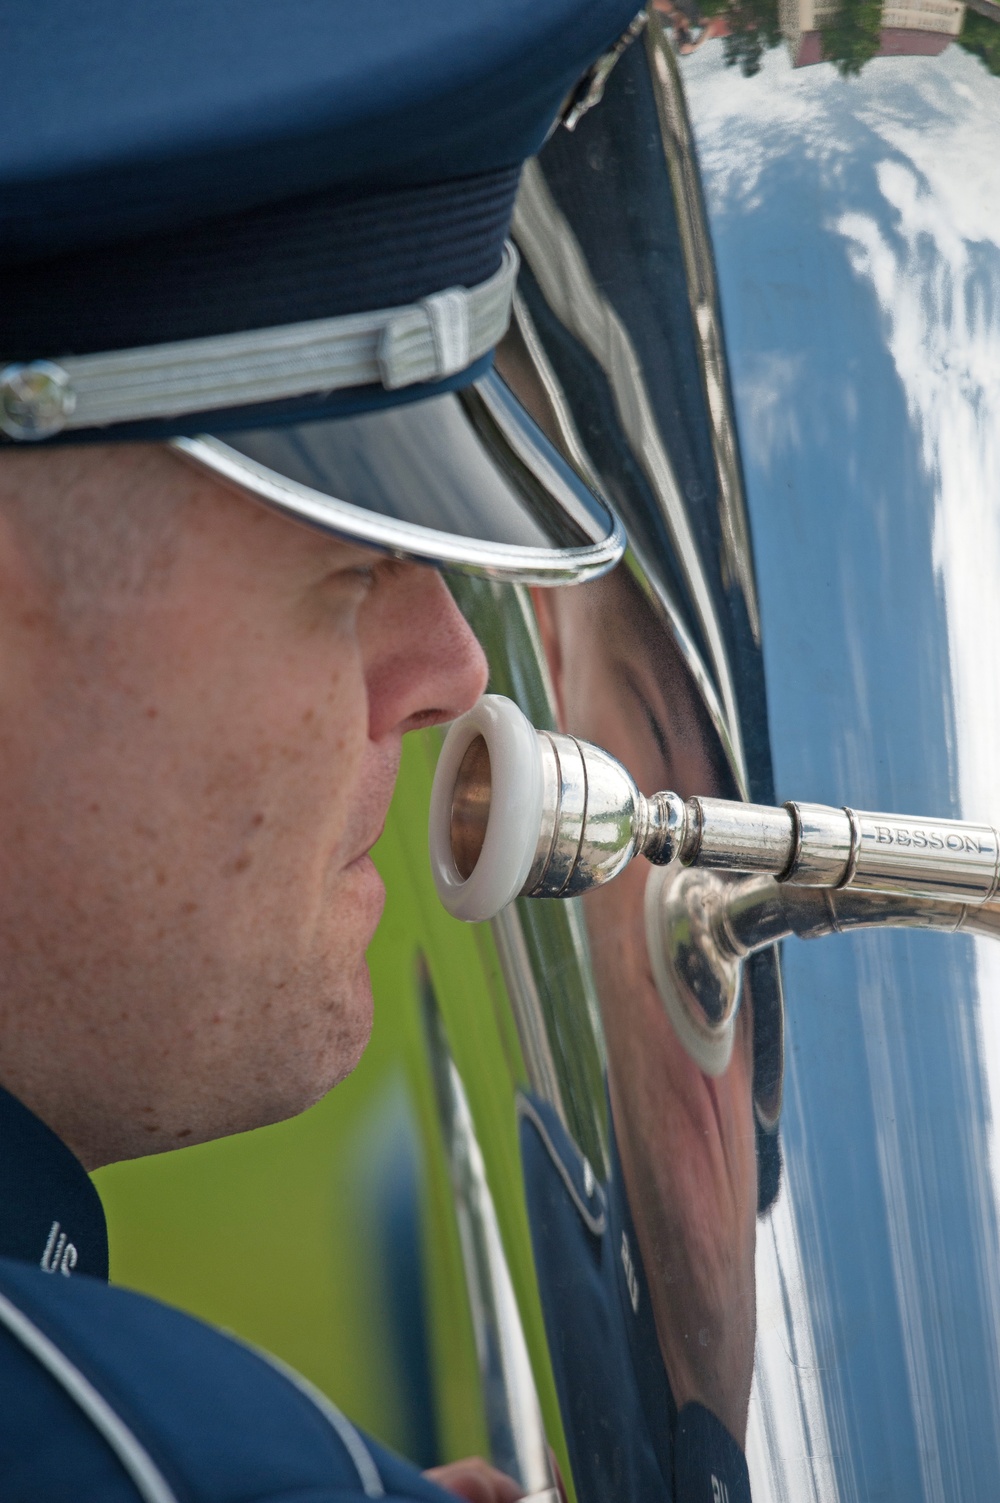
{"x": 476, "y": 1481}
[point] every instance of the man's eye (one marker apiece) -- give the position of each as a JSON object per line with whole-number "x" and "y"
{"x": 363, "y": 573}
{"x": 348, "y": 586}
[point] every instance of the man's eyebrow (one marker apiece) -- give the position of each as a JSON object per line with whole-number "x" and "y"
{"x": 345, "y": 554}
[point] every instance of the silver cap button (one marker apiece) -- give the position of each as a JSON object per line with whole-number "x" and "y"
{"x": 36, "y": 399}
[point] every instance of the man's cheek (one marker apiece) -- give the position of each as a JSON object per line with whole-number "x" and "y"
{"x": 314, "y": 739}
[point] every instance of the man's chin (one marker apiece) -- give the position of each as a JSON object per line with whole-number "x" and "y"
{"x": 329, "y": 1068}
{"x": 330, "y": 1047}
{"x": 355, "y": 1043}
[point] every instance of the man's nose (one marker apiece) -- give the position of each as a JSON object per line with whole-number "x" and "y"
{"x": 423, "y": 663}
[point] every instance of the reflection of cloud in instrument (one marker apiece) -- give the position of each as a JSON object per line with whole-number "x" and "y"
{"x": 937, "y": 293}
{"x": 767, "y": 388}
{"x": 877, "y": 213}
{"x": 935, "y": 272}
{"x": 743, "y": 124}
{"x": 935, "y": 112}
{"x": 788, "y": 1446}
{"x": 955, "y": 110}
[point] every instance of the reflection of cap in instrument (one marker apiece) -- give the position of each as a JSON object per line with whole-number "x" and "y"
{"x": 228, "y": 224}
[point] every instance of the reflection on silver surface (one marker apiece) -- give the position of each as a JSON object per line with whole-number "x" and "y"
{"x": 851, "y": 1334}
{"x": 543, "y": 945}
{"x": 551, "y": 251}
{"x": 513, "y": 1414}
{"x": 619, "y": 359}
{"x": 857, "y": 237}
{"x": 736, "y": 555}
{"x": 590, "y": 90}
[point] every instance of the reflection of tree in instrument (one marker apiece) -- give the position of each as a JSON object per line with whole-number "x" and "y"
{"x": 846, "y": 32}
{"x": 747, "y": 28}
{"x": 851, "y": 32}
{"x": 981, "y": 34}
{"x": 686, "y": 1142}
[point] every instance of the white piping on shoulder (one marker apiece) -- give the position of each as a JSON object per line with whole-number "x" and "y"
{"x": 364, "y": 1462}
{"x": 136, "y": 1460}
{"x": 150, "y": 1482}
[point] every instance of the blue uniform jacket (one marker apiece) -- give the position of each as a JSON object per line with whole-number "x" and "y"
{"x": 109, "y": 1397}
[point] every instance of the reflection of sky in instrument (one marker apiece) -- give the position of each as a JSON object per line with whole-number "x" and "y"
{"x": 857, "y": 231}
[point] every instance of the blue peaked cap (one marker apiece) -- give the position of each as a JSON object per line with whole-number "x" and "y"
{"x": 119, "y": 119}
{"x": 180, "y": 170}
{"x": 221, "y": 217}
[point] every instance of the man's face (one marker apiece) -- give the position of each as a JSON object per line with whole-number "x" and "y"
{"x": 687, "y": 1141}
{"x": 195, "y": 760}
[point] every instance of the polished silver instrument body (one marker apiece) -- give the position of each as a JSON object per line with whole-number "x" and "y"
{"x": 833, "y": 389}
{"x": 857, "y": 248}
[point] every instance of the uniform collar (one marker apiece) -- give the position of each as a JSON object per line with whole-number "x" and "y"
{"x": 50, "y": 1213}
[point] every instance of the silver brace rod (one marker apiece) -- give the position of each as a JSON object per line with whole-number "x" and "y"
{"x": 702, "y": 925}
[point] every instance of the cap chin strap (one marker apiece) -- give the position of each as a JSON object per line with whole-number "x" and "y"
{"x": 392, "y": 347}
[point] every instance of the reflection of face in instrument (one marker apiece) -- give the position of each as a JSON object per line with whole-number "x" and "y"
{"x": 686, "y": 1140}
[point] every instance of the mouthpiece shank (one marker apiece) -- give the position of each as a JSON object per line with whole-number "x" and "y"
{"x": 517, "y": 812}
{"x": 812, "y": 845}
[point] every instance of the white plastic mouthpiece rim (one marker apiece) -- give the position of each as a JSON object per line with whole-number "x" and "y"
{"x": 710, "y": 1050}
{"x": 515, "y": 815}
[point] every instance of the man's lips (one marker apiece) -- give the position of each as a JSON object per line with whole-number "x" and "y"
{"x": 366, "y": 849}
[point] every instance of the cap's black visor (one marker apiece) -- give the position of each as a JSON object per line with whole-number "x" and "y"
{"x": 465, "y": 480}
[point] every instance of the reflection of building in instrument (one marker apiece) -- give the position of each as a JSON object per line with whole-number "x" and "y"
{"x": 921, "y": 28}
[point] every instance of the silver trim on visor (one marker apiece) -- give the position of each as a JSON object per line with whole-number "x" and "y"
{"x": 470, "y": 463}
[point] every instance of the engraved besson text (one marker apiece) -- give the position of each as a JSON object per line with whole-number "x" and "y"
{"x": 935, "y": 840}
